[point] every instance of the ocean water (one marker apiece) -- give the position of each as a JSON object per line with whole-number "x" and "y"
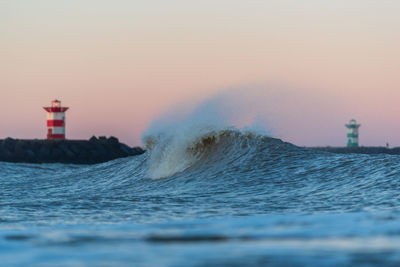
{"x": 211, "y": 198}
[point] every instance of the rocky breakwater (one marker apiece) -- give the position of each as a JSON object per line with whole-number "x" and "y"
{"x": 360, "y": 150}
{"x": 94, "y": 150}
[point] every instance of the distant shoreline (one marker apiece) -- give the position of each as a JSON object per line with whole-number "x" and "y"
{"x": 92, "y": 151}
{"x": 359, "y": 150}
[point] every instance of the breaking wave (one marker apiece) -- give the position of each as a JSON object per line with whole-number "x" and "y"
{"x": 172, "y": 154}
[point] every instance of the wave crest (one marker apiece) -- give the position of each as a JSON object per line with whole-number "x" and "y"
{"x": 172, "y": 154}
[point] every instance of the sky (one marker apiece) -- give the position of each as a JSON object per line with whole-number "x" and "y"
{"x": 308, "y": 66}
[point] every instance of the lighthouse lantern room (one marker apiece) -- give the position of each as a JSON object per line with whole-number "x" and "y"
{"x": 55, "y": 121}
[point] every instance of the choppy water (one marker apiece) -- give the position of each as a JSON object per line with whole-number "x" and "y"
{"x": 211, "y": 198}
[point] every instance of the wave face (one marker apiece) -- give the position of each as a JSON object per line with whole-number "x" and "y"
{"x": 227, "y": 188}
{"x": 203, "y": 148}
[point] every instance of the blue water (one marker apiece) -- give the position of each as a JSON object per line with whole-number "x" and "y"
{"x": 224, "y": 198}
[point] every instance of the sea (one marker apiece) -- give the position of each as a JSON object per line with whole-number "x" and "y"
{"x": 214, "y": 197}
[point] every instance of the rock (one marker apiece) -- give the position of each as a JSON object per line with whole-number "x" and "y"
{"x": 9, "y": 144}
{"x": 126, "y": 149}
{"x": 74, "y": 149}
{"x": 43, "y": 153}
{"x": 19, "y": 149}
{"x": 138, "y": 150}
{"x": 30, "y": 156}
{"x": 62, "y": 146}
{"x": 359, "y": 150}
{"x": 65, "y": 151}
{"x": 113, "y": 140}
{"x": 56, "y": 154}
{"x": 7, "y": 156}
{"x": 99, "y": 151}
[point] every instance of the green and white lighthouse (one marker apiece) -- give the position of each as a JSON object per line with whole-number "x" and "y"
{"x": 352, "y": 133}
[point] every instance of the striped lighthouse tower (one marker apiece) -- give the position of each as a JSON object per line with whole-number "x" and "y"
{"x": 55, "y": 121}
{"x": 352, "y": 133}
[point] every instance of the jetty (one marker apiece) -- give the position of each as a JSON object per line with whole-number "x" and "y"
{"x": 92, "y": 151}
{"x": 359, "y": 150}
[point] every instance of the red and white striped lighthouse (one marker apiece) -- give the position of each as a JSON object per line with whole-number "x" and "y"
{"x": 55, "y": 121}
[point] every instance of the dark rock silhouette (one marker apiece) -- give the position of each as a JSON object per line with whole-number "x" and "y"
{"x": 94, "y": 150}
{"x": 359, "y": 150}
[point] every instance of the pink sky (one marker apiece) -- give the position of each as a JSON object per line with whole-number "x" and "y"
{"x": 120, "y": 64}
